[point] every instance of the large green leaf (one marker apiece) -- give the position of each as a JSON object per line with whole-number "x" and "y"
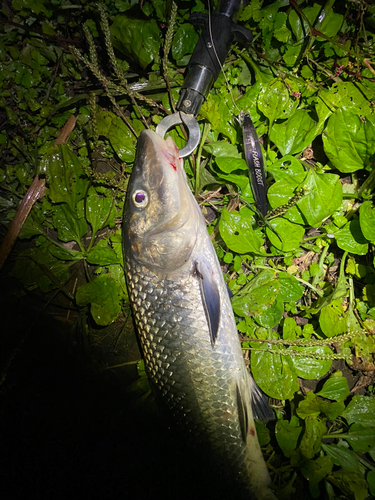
{"x": 349, "y": 142}
{"x": 312, "y": 368}
{"x": 350, "y": 238}
{"x": 273, "y": 374}
{"x": 70, "y": 227}
{"x": 184, "y": 42}
{"x": 66, "y": 179}
{"x": 104, "y": 296}
{"x": 287, "y": 436}
{"x": 295, "y": 134}
{"x": 274, "y": 100}
{"x": 118, "y": 133}
{"x": 100, "y": 210}
{"x": 336, "y": 387}
{"x": 237, "y": 232}
{"x": 332, "y": 319}
{"x": 367, "y": 220}
{"x": 288, "y": 237}
{"x": 312, "y": 437}
{"x": 136, "y": 38}
{"x": 361, "y": 410}
{"x": 341, "y": 456}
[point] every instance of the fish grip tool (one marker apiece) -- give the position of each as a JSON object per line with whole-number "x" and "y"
{"x": 218, "y": 32}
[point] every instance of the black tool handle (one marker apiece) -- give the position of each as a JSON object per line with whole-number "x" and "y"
{"x": 218, "y": 34}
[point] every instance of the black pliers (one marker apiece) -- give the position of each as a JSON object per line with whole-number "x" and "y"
{"x": 218, "y": 32}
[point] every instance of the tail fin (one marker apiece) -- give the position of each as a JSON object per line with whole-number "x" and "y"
{"x": 259, "y": 404}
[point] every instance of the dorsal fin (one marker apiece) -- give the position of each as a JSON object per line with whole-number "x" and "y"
{"x": 210, "y": 297}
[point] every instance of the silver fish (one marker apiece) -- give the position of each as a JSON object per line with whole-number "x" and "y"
{"x": 184, "y": 318}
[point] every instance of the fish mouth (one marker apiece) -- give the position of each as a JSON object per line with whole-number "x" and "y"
{"x": 152, "y": 143}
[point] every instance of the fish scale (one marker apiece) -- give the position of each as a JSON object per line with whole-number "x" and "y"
{"x": 191, "y": 380}
{"x": 185, "y": 321}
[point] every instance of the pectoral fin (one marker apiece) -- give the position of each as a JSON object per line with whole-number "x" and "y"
{"x": 210, "y": 297}
{"x": 259, "y": 404}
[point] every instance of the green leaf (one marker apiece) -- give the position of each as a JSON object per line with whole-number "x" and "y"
{"x": 287, "y": 436}
{"x": 298, "y": 23}
{"x": 291, "y": 53}
{"x": 69, "y": 226}
{"x": 332, "y": 319}
{"x": 37, "y": 267}
{"x": 184, "y": 42}
{"x": 312, "y": 437}
{"x": 237, "y": 232}
{"x": 361, "y": 410}
{"x": 351, "y": 239}
{"x": 221, "y": 148}
{"x": 335, "y": 388}
{"x": 118, "y": 133}
{"x": 99, "y": 210}
{"x": 315, "y": 471}
{"x": 342, "y": 457}
{"x": 290, "y": 235}
{"x": 331, "y": 24}
{"x": 273, "y": 374}
{"x": 287, "y": 166}
{"x": 313, "y": 406}
{"x": 367, "y": 220}
{"x": 136, "y": 38}
{"x": 104, "y": 296}
{"x": 371, "y": 481}
{"x": 272, "y": 315}
{"x": 295, "y": 134}
{"x": 228, "y": 164}
{"x": 323, "y": 198}
{"x": 284, "y": 189}
{"x": 65, "y": 177}
{"x": 102, "y": 255}
{"x": 353, "y": 147}
{"x": 350, "y": 482}
{"x": 257, "y": 296}
{"x": 310, "y": 368}
{"x": 360, "y": 438}
{"x": 274, "y": 100}
{"x": 290, "y": 288}
{"x": 263, "y": 434}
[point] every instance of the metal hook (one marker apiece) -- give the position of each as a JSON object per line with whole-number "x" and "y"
{"x": 191, "y": 124}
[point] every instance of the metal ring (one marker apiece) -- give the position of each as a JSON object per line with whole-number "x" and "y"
{"x": 191, "y": 124}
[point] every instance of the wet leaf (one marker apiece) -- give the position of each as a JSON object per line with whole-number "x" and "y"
{"x": 274, "y": 100}
{"x": 137, "y": 38}
{"x": 273, "y": 374}
{"x": 237, "y": 232}
{"x": 100, "y": 210}
{"x": 350, "y": 482}
{"x": 361, "y": 410}
{"x": 287, "y": 436}
{"x": 315, "y": 471}
{"x": 70, "y": 227}
{"x": 332, "y": 319}
{"x": 291, "y": 289}
{"x": 342, "y": 457}
{"x": 66, "y": 180}
{"x": 310, "y": 368}
{"x": 290, "y": 234}
{"x": 335, "y": 388}
{"x": 272, "y": 315}
{"x": 103, "y": 295}
{"x": 118, "y": 133}
{"x": 184, "y": 42}
{"x": 312, "y": 436}
{"x": 313, "y": 406}
{"x": 295, "y": 134}
{"x": 351, "y": 239}
{"x": 354, "y": 147}
{"x": 367, "y": 220}
{"x": 102, "y": 255}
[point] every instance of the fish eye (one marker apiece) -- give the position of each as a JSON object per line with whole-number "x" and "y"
{"x": 140, "y": 198}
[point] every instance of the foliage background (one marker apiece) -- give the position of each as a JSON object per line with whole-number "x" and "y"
{"x": 303, "y": 278}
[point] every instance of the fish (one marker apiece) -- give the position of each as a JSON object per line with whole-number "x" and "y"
{"x": 185, "y": 322}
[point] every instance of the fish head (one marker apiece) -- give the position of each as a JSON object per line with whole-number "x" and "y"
{"x": 161, "y": 215}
